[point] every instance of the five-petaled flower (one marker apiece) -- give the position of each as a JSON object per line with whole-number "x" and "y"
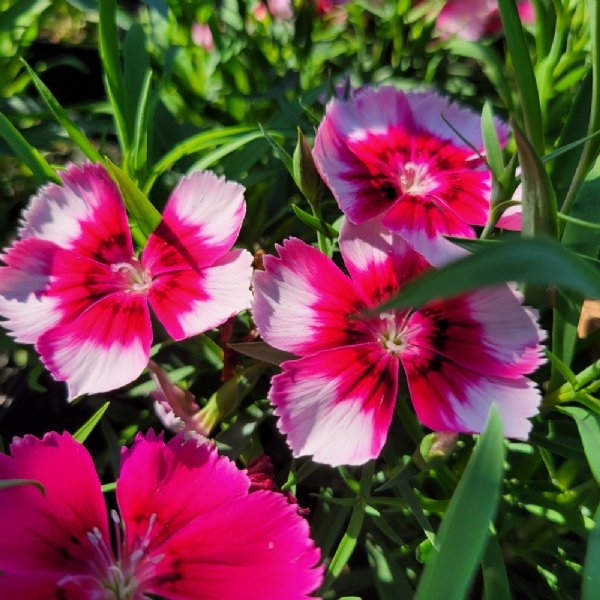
{"x": 390, "y": 153}
{"x": 73, "y": 286}
{"x": 191, "y": 529}
{"x": 459, "y": 354}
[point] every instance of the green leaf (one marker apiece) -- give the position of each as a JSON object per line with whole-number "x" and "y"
{"x": 111, "y": 64}
{"x": 29, "y": 155}
{"x": 588, "y": 424}
{"x": 8, "y": 483}
{"x": 491, "y": 144}
{"x": 534, "y": 261}
{"x": 464, "y": 530}
{"x": 314, "y": 223}
{"x": 84, "y": 431}
{"x": 525, "y": 76}
{"x": 141, "y": 210}
{"x": 20, "y": 15}
{"x": 74, "y": 132}
{"x": 280, "y": 152}
{"x": 591, "y": 569}
{"x": 538, "y": 202}
{"x": 495, "y": 578}
{"x": 263, "y": 352}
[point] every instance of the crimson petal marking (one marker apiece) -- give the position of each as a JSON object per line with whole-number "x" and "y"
{"x": 337, "y": 405}
{"x": 379, "y": 262}
{"x": 422, "y": 222}
{"x": 450, "y": 397}
{"x": 24, "y": 286}
{"x": 190, "y": 302}
{"x": 254, "y": 547}
{"x": 104, "y": 348}
{"x": 44, "y": 536}
{"x": 200, "y": 223}
{"x": 302, "y": 301}
{"x": 86, "y": 215}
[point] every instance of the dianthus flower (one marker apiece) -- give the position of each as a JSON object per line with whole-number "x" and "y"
{"x": 459, "y": 355}
{"x": 73, "y": 286}
{"x": 390, "y": 153}
{"x": 473, "y": 19}
{"x": 191, "y": 529}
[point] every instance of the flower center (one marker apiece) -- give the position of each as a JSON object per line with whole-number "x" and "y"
{"x": 136, "y": 279}
{"x": 415, "y": 179}
{"x": 390, "y": 333}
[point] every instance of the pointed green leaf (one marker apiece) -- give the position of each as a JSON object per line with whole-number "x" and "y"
{"x": 591, "y": 570}
{"x": 315, "y": 223}
{"x": 84, "y": 431}
{"x": 464, "y": 530}
{"x": 72, "y": 129}
{"x": 29, "y": 155}
{"x": 534, "y": 261}
{"x": 493, "y": 151}
{"x": 588, "y": 424}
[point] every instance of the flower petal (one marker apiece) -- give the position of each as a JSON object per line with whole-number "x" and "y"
{"x": 254, "y": 547}
{"x": 487, "y": 331}
{"x": 364, "y": 119}
{"x": 378, "y": 261}
{"x": 429, "y": 110}
{"x": 177, "y": 482}
{"x": 24, "y": 284}
{"x": 44, "y": 535}
{"x": 190, "y": 302}
{"x": 86, "y": 214}
{"x": 104, "y": 348}
{"x": 337, "y": 405}
{"x": 450, "y": 397}
{"x": 302, "y": 300}
{"x": 200, "y": 223}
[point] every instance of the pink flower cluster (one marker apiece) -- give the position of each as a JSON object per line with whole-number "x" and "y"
{"x": 74, "y": 287}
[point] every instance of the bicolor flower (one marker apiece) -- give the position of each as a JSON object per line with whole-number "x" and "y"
{"x": 390, "y": 153}
{"x": 73, "y": 286}
{"x": 190, "y": 527}
{"x": 459, "y": 355}
{"x": 473, "y": 19}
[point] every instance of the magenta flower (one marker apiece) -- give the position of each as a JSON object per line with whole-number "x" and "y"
{"x": 459, "y": 355}
{"x": 191, "y": 527}
{"x": 474, "y": 19}
{"x": 73, "y": 286}
{"x": 202, "y": 36}
{"x": 386, "y": 152}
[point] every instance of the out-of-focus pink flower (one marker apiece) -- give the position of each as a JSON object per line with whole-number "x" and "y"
{"x": 459, "y": 355}
{"x": 282, "y": 10}
{"x": 390, "y": 153}
{"x": 474, "y": 19}
{"x": 191, "y": 529}
{"x": 202, "y": 36}
{"x": 73, "y": 286}
{"x": 324, "y": 7}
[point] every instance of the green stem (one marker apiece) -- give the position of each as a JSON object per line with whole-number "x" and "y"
{"x": 348, "y": 543}
{"x": 567, "y": 391}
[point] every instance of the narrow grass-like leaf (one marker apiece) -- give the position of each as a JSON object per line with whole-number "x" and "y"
{"x": 534, "y": 261}
{"x": 141, "y": 210}
{"x": 29, "y": 155}
{"x": 280, "y": 151}
{"x": 20, "y": 15}
{"x": 208, "y": 159}
{"x": 262, "y": 351}
{"x": 538, "y": 202}
{"x": 495, "y": 578}
{"x": 84, "y": 431}
{"x": 464, "y": 530}
{"x": 526, "y": 83}
{"x": 489, "y": 134}
{"x": 111, "y": 64}
{"x": 8, "y": 483}
{"x": 314, "y": 223}
{"x": 390, "y": 581}
{"x": 591, "y": 569}
{"x": 74, "y": 132}
{"x": 588, "y": 424}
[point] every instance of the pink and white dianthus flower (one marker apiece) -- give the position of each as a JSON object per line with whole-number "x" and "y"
{"x": 459, "y": 355}
{"x": 191, "y": 529}
{"x": 73, "y": 286}
{"x": 390, "y": 153}
{"x": 473, "y": 19}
